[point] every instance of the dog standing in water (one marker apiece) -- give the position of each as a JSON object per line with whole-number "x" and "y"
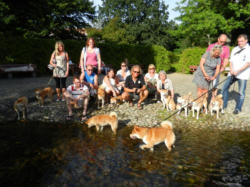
{"x": 20, "y": 105}
{"x": 99, "y": 121}
{"x": 155, "y": 135}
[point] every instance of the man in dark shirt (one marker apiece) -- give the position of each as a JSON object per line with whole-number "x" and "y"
{"x": 135, "y": 86}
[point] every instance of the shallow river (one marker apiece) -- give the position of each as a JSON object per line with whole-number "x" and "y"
{"x": 40, "y": 154}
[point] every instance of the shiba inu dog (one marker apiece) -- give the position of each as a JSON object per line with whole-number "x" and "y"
{"x": 198, "y": 104}
{"x": 41, "y": 94}
{"x": 99, "y": 121}
{"x": 164, "y": 98}
{"x": 155, "y": 135}
{"x": 20, "y": 105}
{"x": 183, "y": 102}
{"x": 100, "y": 96}
{"x": 116, "y": 100}
{"x": 170, "y": 103}
{"x": 216, "y": 105}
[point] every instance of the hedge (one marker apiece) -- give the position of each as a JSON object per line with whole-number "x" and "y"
{"x": 189, "y": 56}
{"x": 38, "y": 51}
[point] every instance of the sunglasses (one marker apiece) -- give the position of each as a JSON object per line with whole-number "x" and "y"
{"x": 151, "y": 68}
{"x": 123, "y": 66}
{"x": 89, "y": 69}
{"x": 136, "y": 71}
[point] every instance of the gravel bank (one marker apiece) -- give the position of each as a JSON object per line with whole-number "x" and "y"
{"x": 151, "y": 115}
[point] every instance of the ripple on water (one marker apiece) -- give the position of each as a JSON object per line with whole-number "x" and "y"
{"x": 70, "y": 154}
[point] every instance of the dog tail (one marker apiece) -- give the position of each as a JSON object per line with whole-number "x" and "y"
{"x": 113, "y": 114}
{"x": 167, "y": 124}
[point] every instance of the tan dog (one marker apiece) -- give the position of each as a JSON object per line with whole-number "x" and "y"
{"x": 183, "y": 102}
{"x": 198, "y": 104}
{"x": 116, "y": 100}
{"x": 100, "y": 96}
{"x": 216, "y": 105}
{"x": 99, "y": 121}
{"x": 41, "y": 94}
{"x": 170, "y": 103}
{"x": 20, "y": 105}
{"x": 154, "y": 136}
{"x": 164, "y": 98}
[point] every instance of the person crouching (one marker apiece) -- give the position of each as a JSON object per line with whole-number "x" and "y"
{"x": 76, "y": 93}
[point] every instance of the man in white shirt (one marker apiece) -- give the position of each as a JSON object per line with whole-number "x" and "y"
{"x": 239, "y": 71}
{"x": 77, "y": 93}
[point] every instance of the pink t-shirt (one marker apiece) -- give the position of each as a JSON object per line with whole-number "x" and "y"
{"x": 91, "y": 59}
{"x": 224, "y": 54}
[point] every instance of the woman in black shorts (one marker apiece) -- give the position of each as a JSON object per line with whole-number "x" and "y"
{"x": 60, "y": 61}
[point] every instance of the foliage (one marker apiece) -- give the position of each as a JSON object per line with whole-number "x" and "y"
{"x": 25, "y": 51}
{"x": 203, "y": 20}
{"x": 48, "y": 18}
{"x": 161, "y": 58}
{"x": 189, "y": 56}
{"x": 140, "y": 21}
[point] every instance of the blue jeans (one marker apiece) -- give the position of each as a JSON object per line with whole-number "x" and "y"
{"x": 242, "y": 87}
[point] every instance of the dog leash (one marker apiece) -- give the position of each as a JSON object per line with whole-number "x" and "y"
{"x": 212, "y": 89}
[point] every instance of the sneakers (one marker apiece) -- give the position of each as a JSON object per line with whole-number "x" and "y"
{"x": 236, "y": 112}
{"x": 58, "y": 99}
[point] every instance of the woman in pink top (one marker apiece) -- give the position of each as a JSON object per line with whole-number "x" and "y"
{"x": 90, "y": 55}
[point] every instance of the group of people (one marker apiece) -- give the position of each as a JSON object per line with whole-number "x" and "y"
{"x": 214, "y": 61}
{"x": 132, "y": 84}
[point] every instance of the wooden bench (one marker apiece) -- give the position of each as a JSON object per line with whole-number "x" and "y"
{"x": 10, "y": 69}
{"x": 193, "y": 68}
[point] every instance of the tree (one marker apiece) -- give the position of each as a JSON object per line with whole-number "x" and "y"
{"x": 144, "y": 20}
{"x": 203, "y": 20}
{"x": 41, "y": 18}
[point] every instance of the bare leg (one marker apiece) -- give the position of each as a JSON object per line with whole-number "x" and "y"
{"x": 58, "y": 93}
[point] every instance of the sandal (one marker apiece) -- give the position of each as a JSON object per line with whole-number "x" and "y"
{"x": 68, "y": 117}
{"x": 139, "y": 106}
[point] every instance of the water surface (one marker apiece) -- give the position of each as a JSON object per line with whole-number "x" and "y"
{"x": 47, "y": 154}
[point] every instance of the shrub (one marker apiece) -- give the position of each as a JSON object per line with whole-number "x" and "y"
{"x": 38, "y": 51}
{"x": 189, "y": 56}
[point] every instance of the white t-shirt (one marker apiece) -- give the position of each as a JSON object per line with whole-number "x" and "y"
{"x": 153, "y": 79}
{"x": 119, "y": 75}
{"x": 76, "y": 92}
{"x": 167, "y": 85}
{"x": 238, "y": 59}
{"x": 112, "y": 83}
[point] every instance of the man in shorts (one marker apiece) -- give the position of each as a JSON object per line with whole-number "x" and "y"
{"x": 135, "y": 87}
{"x": 75, "y": 94}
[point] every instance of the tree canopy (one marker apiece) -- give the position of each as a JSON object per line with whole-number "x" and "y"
{"x": 204, "y": 20}
{"x": 43, "y": 18}
{"x": 141, "y": 21}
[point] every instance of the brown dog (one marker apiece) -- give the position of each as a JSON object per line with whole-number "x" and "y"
{"x": 154, "y": 136}
{"x": 99, "y": 121}
{"x": 100, "y": 96}
{"x": 41, "y": 94}
{"x": 198, "y": 104}
{"x": 216, "y": 105}
{"x": 116, "y": 100}
{"x": 20, "y": 105}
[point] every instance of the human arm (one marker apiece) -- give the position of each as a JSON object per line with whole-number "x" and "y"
{"x": 107, "y": 82}
{"x": 225, "y": 63}
{"x": 241, "y": 69}
{"x": 82, "y": 60}
{"x": 202, "y": 62}
{"x": 67, "y": 61}
{"x": 216, "y": 72}
{"x": 51, "y": 59}
{"x": 99, "y": 61}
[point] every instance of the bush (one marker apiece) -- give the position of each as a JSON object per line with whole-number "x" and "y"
{"x": 189, "y": 56}
{"x": 38, "y": 51}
